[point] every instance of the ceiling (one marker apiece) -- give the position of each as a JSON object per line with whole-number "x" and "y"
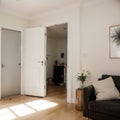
{"x": 31, "y": 8}
{"x": 57, "y": 32}
{"x": 34, "y": 7}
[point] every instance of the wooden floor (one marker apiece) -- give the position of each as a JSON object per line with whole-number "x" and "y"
{"x": 52, "y": 107}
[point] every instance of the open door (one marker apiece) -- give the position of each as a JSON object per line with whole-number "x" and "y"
{"x": 35, "y": 61}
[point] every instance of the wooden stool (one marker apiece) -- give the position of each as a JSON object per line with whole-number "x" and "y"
{"x": 79, "y": 99}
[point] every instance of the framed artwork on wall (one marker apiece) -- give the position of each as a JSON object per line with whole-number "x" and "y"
{"x": 114, "y": 38}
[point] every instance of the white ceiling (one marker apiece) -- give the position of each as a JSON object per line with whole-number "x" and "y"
{"x": 34, "y": 7}
{"x": 57, "y": 32}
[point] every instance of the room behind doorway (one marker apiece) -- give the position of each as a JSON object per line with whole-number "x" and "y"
{"x": 56, "y": 60}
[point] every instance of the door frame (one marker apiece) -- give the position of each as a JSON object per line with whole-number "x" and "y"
{"x": 19, "y": 30}
{"x": 69, "y": 62}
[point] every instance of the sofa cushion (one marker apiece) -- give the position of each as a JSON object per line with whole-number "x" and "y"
{"x": 106, "y": 89}
{"x": 116, "y": 79}
{"x": 109, "y": 107}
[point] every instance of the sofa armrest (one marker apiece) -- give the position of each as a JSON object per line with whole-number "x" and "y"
{"x": 88, "y": 95}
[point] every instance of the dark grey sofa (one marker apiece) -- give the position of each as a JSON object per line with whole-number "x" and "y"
{"x": 101, "y": 109}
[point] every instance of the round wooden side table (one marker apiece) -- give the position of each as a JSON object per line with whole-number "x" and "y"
{"x": 79, "y": 99}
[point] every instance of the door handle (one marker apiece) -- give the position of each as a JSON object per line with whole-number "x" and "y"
{"x": 2, "y": 65}
{"x": 41, "y": 62}
{"x": 19, "y": 64}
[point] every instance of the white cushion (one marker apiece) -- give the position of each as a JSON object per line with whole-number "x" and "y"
{"x": 106, "y": 89}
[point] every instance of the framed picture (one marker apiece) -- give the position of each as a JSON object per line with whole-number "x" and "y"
{"x": 114, "y": 37}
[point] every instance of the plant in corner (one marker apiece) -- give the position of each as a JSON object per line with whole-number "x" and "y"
{"x": 82, "y": 76}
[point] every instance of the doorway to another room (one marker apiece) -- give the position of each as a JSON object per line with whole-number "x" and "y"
{"x": 10, "y": 62}
{"x": 57, "y": 61}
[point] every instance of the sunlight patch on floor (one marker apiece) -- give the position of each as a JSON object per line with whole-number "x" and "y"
{"x": 22, "y": 110}
{"x": 6, "y": 114}
{"x": 14, "y": 112}
{"x": 41, "y": 104}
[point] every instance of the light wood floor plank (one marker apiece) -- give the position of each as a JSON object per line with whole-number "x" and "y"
{"x": 55, "y": 95}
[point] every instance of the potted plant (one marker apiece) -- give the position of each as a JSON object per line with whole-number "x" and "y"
{"x": 82, "y": 77}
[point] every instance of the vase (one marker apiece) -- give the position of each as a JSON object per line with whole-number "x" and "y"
{"x": 82, "y": 85}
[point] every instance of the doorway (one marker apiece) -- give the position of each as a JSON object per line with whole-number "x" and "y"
{"x": 11, "y": 62}
{"x": 57, "y": 60}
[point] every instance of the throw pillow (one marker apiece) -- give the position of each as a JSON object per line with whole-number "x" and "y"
{"x": 106, "y": 89}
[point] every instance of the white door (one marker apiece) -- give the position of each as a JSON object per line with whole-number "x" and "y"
{"x": 35, "y": 61}
{"x": 11, "y": 58}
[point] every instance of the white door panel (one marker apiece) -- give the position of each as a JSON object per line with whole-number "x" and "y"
{"x": 11, "y": 58}
{"x": 35, "y": 54}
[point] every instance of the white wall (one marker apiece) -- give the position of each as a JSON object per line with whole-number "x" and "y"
{"x": 95, "y": 22}
{"x": 51, "y": 48}
{"x": 72, "y": 17}
{"x": 11, "y": 21}
{"x": 61, "y": 47}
